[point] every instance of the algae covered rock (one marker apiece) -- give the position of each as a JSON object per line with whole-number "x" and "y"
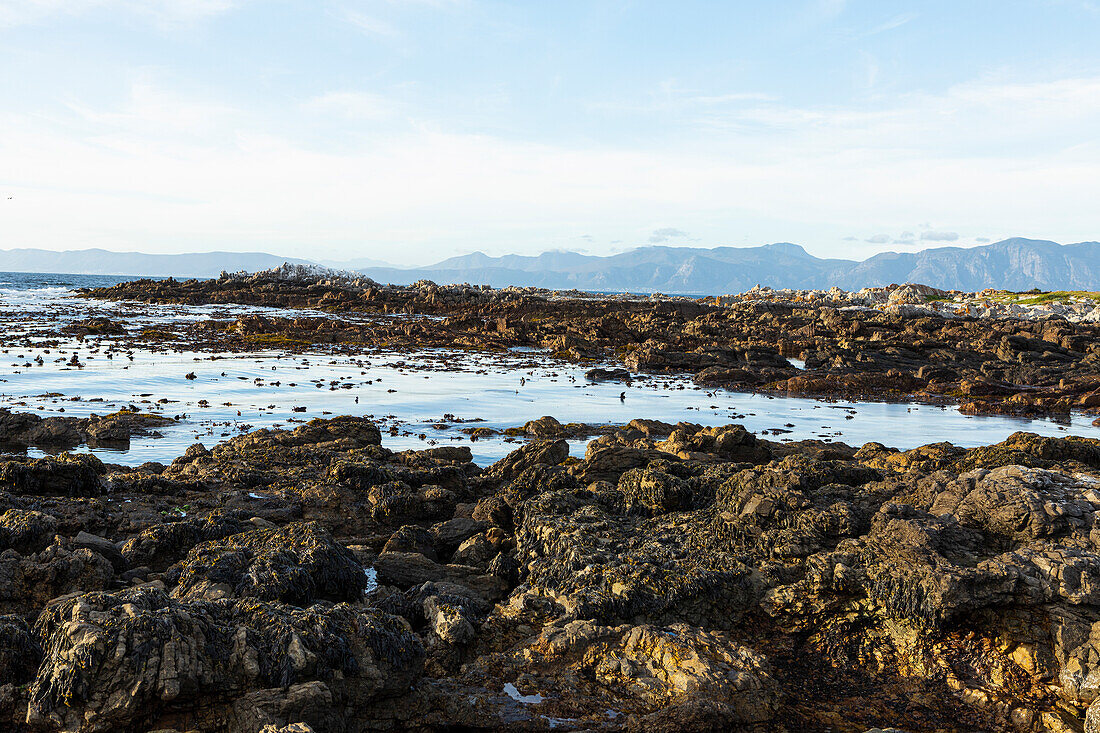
{"x": 296, "y": 564}
{"x": 64, "y": 475}
{"x": 115, "y": 658}
{"x": 26, "y": 531}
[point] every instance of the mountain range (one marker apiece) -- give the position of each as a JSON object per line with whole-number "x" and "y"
{"x": 104, "y": 262}
{"x": 1013, "y": 264}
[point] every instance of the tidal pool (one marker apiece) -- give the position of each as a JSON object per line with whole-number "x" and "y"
{"x": 419, "y": 399}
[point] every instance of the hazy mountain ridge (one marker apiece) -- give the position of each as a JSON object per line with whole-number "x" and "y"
{"x": 104, "y": 262}
{"x": 1015, "y": 264}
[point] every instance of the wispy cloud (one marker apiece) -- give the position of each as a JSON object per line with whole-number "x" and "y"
{"x": 666, "y": 234}
{"x": 370, "y": 24}
{"x": 896, "y": 22}
{"x": 23, "y": 12}
{"x": 351, "y": 105}
{"x": 939, "y": 236}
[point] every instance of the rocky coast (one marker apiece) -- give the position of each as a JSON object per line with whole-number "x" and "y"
{"x": 671, "y": 577}
{"x": 675, "y": 578}
{"x": 987, "y": 353}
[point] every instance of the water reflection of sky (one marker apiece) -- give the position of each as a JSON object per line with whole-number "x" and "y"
{"x": 416, "y": 391}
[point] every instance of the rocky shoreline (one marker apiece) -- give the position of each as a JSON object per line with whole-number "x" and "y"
{"x": 907, "y": 343}
{"x": 675, "y": 578}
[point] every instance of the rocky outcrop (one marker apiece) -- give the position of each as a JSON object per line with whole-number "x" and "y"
{"x": 676, "y": 578}
{"x": 114, "y": 430}
{"x": 116, "y": 659}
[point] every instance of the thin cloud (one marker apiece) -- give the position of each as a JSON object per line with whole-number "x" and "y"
{"x": 370, "y": 24}
{"x": 164, "y": 12}
{"x": 895, "y": 22}
{"x": 878, "y": 239}
{"x": 937, "y": 236}
{"x": 666, "y": 234}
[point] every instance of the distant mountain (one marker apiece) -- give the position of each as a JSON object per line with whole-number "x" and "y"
{"x": 1015, "y": 264}
{"x": 102, "y": 262}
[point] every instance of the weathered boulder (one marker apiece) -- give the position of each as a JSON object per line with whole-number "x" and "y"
{"x": 25, "y": 531}
{"x": 64, "y": 475}
{"x": 164, "y": 544}
{"x": 114, "y": 659}
{"x": 296, "y": 564}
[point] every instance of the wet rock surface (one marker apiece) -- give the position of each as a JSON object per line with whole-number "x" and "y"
{"x": 20, "y": 429}
{"x": 675, "y": 578}
{"x": 909, "y": 342}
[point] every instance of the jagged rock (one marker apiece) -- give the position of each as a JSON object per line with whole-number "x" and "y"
{"x": 607, "y": 566}
{"x": 407, "y": 569}
{"x": 297, "y": 564}
{"x": 411, "y": 538}
{"x": 64, "y": 475}
{"x": 544, "y": 427}
{"x": 663, "y": 666}
{"x": 27, "y": 583}
{"x": 20, "y": 653}
{"x": 727, "y": 443}
{"x": 452, "y": 533}
{"x": 549, "y": 453}
{"x": 610, "y": 462}
{"x": 207, "y": 656}
{"x": 25, "y": 531}
{"x": 165, "y": 544}
{"x": 653, "y": 491}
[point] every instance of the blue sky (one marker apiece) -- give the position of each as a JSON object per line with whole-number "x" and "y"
{"x": 413, "y": 130}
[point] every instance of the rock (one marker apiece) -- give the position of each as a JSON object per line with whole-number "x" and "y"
{"x": 103, "y": 546}
{"x": 164, "y": 544}
{"x": 411, "y": 538}
{"x": 406, "y": 569}
{"x": 20, "y": 653}
{"x": 549, "y": 453}
{"x": 65, "y": 475}
{"x": 28, "y": 583}
{"x": 297, "y": 564}
{"x": 26, "y": 532}
{"x": 607, "y": 375}
{"x": 544, "y": 427}
{"x": 653, "y": 491}
{"x": 216, "y": 652}
{"x": 651, "y": 428}
{"x": 448, "y": 624}
{"x": 448, "y": 535}
{"x": 494, "y": 510}
{"x": 611, "y": 462}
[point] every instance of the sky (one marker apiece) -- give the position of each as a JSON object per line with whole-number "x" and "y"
{"x": 408, "y": 131}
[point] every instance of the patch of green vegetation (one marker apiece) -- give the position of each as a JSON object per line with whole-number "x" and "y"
{"x": 157, "y": 333}
{"x": 274, "y": 338}
{"x": 1056, "y": 296}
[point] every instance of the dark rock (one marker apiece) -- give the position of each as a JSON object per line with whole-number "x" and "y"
{"x": 297, "y": 564}
{"x": 99, "y": 644}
